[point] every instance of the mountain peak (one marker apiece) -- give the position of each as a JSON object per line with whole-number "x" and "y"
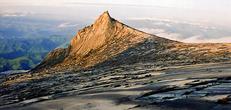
{"x": 104, "y": 18}
{"x": 106, "y": 13}
{"x": 109, "y": 43}
{"x": 96, "y": 43}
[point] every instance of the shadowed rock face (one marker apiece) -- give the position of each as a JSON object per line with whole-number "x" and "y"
{"x": 109, "y": 42}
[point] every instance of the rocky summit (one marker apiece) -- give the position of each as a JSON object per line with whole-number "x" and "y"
{"x": 101, "y": 41}
{"x": 111, "y": 42}
{"x": 111, "y": 66}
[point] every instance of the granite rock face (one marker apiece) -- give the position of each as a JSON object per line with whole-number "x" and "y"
{"x": 108, "y": 42}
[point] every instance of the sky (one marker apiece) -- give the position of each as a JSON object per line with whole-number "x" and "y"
{"x": 213, "y": 11}
{"x": 204, "y": 12}
{"x": 223, "y": 5}
{"x": 210, "y": 6}
{"x": 167, "y": 3}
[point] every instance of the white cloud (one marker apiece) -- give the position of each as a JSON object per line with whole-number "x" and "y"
{"x": 12, "y": 14}
{"x": 162, "y": 33}
{"x": 66, "y": 24}
{"x": 167, "y": 22}
{"x": 201, "y": 39}
{"x": 152, "y": 31}
{"x": 191, "y": 39}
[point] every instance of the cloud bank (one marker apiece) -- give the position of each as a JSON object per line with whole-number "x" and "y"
{"x": 66, "y": 25}
{"x": 188, "y": 39}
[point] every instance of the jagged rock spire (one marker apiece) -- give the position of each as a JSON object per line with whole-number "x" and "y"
{"x": 104, "y": 20}
{"x": 95, "y": 43}
{"x": 104, "y": 17}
